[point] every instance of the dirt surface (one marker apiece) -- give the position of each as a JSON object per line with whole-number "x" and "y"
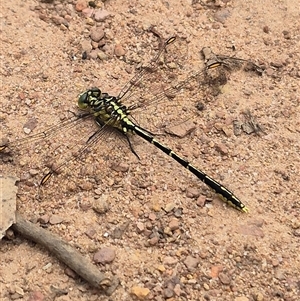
{"x": 191, "y": 249}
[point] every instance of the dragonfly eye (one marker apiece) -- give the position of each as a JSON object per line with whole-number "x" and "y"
{"x": 86, "y": 98}
{"x": 83, "y": 100}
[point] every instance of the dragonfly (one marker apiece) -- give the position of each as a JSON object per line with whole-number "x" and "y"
{"x": 110, "y": 114}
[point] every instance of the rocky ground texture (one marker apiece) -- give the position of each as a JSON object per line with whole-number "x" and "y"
{"x": 161, "y": 231}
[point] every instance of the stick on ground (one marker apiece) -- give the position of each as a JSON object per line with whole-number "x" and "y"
{"x": 65, "y": 253}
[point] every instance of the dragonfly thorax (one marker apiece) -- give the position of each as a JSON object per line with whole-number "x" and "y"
{"x": 107, "y": 109}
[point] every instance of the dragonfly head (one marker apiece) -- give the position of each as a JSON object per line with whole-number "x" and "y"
{"x": 87, "y": 99}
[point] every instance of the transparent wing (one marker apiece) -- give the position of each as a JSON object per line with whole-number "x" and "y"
{"x": 231, "y": 63}
{"x": 40, "y": 150}
{"x": 159, "y": 87}
{"x": 79, "y": 151}
{"x": 154, "y": 78}
{"x": 45, "y": 134}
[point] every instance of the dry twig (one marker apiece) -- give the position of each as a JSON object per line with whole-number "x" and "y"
{"x": 65, "y": 253}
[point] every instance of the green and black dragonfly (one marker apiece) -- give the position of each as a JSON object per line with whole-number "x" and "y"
{"x": 110, "y": 113}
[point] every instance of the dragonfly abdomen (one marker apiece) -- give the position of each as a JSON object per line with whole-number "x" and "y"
{"x": 221, "y": 190}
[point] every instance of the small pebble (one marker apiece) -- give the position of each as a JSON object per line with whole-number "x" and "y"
{"x": 101, "y": 205}
{"x": 174, "y": 224}
{"x": 33, "y": 172}
{"x": 181, "y": 130}
{"x": 259, "y": 297}
{"x": 22, "y": 95}
{"x": 168, "y": 231}
{"x": 140, "y": 292}
{"x": 215, "y": 271}
{"x": 222, "y": 149}
{"x": 152, "y": 216}
{"x": 57, "y": 20}
{"x": 287, "y": 35}
{"x": 44, "y": 219}
{"x": 101, "y": 15}
{"x": 191, "y": 262}
{"x": 86, "y": 186}
{"x": 102, "y": 55}
{"x": 269, "y": 72}
{"x": 104, "y": 255}
{"x": 178, "y": 212}
{"x": 97, "y": 34}
{"x": 55, "y": 219}
{"x": 221, "y": 15}
{"x": 279, "y": 274}
{"x": 122, "y": 167}
{"x": 30, "y": 124}
{"x": 120, "y": 230}
{"x": 94, "y": 44}
{"x": 153, "y": 241}
{"x": 140, "y": 226}
{"x": 201, "y": 201}
{"x": 192, "y": 192}
{"x": 47, "y": 266}
{"x": 93, "y": 54}
{"x": 228, "y": 130}
{"x": 177, "y": 289}
{"x": 266, "y": 29}
{"x": 206, "y": 286}
{"x": 68, "y": 18}
{"x": 161, "y": 268}
{"x": 90, "y": 233}
{"x": 88, "y": 13}
{"x": 156, "y": 206}
{"x": 168, "y": 293}
{"x": 224, "y": 278}
{"x": 36, "y": 296}
{"x": 86, "y": 45}
{"x": 80, "y": 5}
{"x": 90, "y": 21}
{"x": 119, "y": 50}
{"x": 295, "y": 224}
{"x": 168, "y": 260}
{"x": 276, "y": 64}
{"x": 85, "y": 206}
{"x": 19, "y": 291}
{"x": 169, "y": 207}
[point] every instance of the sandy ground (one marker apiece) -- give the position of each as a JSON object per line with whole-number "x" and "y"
{"x": 193, "y": 252}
